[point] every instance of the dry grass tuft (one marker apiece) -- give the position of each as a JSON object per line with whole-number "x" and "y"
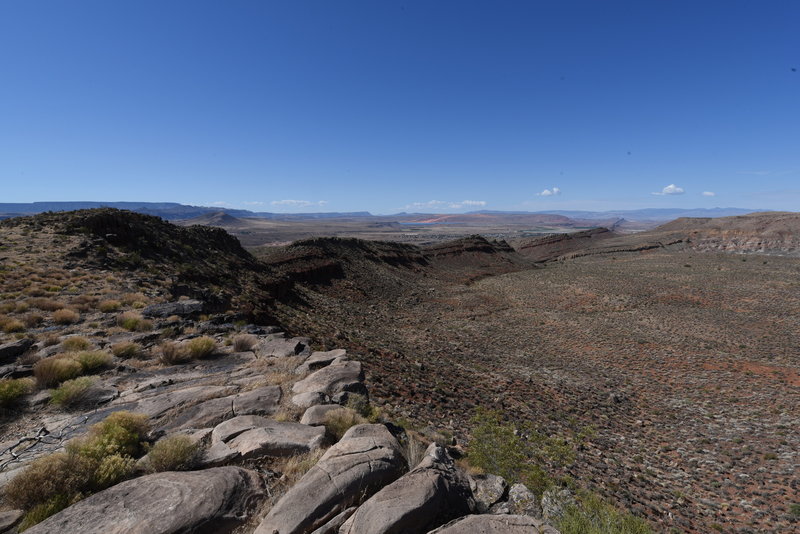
{"x": 51, "y": 371}
{"x": 339, "y": 420}
{"x": 244, "y": 342}
{"x": 109, "y": 306}
{"x": 66, "y": 316}
{"x": 126, "y": 350}
{"x": 201, "y": 347}
{"x": 75, "y": 343}
{"x": 134, "y": 322}
{"x": 172, "y": 353}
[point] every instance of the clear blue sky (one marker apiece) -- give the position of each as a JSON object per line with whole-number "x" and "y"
{"x": 402, "y": 105}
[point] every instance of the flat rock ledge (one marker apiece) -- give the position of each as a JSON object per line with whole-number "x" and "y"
{"x": 214, "y": 500}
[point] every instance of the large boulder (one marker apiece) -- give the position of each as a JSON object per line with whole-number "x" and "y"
{"x": 497, "y": 524}
{"x": 181, "y": 307}
{"x": 9, "y": 352}
{"x": 317, "y": 415}
{"x": 335, "y": 378}
{"x": 488, "y": 490}
{"x": 555, "y": 502}
{"x": 214, "y": 500}
{"x": 522, "y": 501}
{"x": 366, "y": 459}
{"x": 432, "y": 494}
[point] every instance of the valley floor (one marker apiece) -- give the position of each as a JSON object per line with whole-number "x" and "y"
{"x": 683, "y": 367}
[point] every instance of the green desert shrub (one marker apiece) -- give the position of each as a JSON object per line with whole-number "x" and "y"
{"x": 339, "y": 420}
{"x": 173, "y": 453}
{"x": 360, "y": 404}
{"x": 134, "y": 322}
{"x": 50, "y": 372}
{"x": 516, "y": 453}
{"x": 126, "y": 349}
{"x": 92, "y": 360}
{"x": 65, "y": 316}
{"x": 201, "y": 347}
{"x": 13, "y": 389}
{"x": 592, "y": 515}
{"x": 75, "y": 343}
{"x": 244, "y": 342}
{"x": 90, "y": 464}
{"x": 72, "y": 392}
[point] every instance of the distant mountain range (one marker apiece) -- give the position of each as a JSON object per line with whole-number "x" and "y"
{"x": 166, "y": 210}
{"x": 647, "y": 214}
{"x": 176, "y": 211}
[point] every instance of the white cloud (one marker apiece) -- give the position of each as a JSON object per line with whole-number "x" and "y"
{"x": 253, "y": 203}
{"x": 550, "y": 192}
{"x": 299, "y": 203}
{"x": 220, "y": 203}
{"x": 445, "y": 204}
{"x": 708, "y": 194}
{"x": 671, "y": 189}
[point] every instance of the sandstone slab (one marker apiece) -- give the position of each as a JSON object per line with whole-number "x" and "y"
{"x": 214, "y": 500}
{"x": 316, "y": 415}
{"x": 365, "y": 459}
{"x": 497, "y": 524}
{"x": 335, "y": 378}
{"x": 318, "y": 360}
{"x": 430, "y": 495}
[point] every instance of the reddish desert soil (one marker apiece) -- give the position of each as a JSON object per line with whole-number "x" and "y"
{"x": 685, "y": 364}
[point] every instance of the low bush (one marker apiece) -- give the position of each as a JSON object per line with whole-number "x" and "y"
{"x": 201, "y": 347}
{"x": 50, "y": 372}
{"x": 126, "y": 349}
{"x": 339, "y": 420}
{"x": 93, "y": 360}
{"x": 66, "y": 316}
{"x": 75, "y": 343}
{"x": 134, "y": 322}
{"x": 109, "y": 306}
{"x": 72, "y": 392}
{"x": 90, "y": 464}
{"x": 244, "y": 342}
{"x": 516, "y": 453}
{"x": 13, "y": 389}
{"x": 592, "y": 515}
{"x": 173, "y": 453}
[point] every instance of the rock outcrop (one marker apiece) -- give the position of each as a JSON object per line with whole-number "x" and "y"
{"x": 497, "y": 524}
{"x": 213, "y": 500}
{"x": 431, "y": 494}
{"x": 361, "y": 463}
